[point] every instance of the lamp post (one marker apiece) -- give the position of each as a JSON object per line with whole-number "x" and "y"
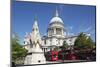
{"x": 70, "y": 44}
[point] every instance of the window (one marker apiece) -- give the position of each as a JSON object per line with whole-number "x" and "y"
{"x": 58, "y": 31}
{"x": 51, "y": 31}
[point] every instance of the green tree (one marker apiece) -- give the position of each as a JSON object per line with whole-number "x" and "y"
{"x": 65, "y": 45}
{"x": 83, "y": 42}
{"x": 56, "y": 48}
{"x": 18, "y": 52}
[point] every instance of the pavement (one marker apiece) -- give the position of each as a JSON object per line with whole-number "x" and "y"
{"x": 52, "y": 62}
{"x": 65, "y": 61}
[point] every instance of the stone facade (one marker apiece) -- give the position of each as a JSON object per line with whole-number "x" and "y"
{"x": 56, "y": 35}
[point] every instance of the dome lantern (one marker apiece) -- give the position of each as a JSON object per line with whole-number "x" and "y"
{"x": 56, "y": 14}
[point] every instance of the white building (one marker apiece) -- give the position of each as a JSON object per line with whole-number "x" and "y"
{"x": 56, "y": 34}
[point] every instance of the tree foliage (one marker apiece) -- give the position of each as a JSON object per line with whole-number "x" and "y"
{"x": 56, "y": 48}
{"x": 83, "y": 42}
{"x": 65, "y": 45}
{"x": 17, "y": 50}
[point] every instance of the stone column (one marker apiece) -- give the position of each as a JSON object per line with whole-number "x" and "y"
{"x": 62, "y": 31}
{"x": 44, "y": 50}
{"x": 54, "y": 30}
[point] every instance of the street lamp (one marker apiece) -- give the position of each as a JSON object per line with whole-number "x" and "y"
{"x": 70, "y": 44}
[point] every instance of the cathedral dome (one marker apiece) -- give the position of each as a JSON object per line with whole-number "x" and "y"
{"x": 56, "y": 18}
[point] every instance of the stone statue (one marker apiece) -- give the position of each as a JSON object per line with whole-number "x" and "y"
{"x": 36, "y": 54}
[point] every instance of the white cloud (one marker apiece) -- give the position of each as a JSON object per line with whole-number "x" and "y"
{"x": 88, "y": 29}
{"x": 91, "y": 31}
{"x": 70, "y": 34}
{"x": 69, "y": 31}
{"x": 71, "y": 27}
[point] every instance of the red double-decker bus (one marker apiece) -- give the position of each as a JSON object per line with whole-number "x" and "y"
{"x": 52, "y": 56}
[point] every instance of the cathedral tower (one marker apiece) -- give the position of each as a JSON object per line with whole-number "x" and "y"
{"x": 56, "y": 26}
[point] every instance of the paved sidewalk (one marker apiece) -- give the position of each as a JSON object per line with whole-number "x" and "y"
{"x": 53, "y": 62}
{"x": 67, "y": 61}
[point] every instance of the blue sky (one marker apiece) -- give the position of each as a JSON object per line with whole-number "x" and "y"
{"x": 77, "y": 18}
